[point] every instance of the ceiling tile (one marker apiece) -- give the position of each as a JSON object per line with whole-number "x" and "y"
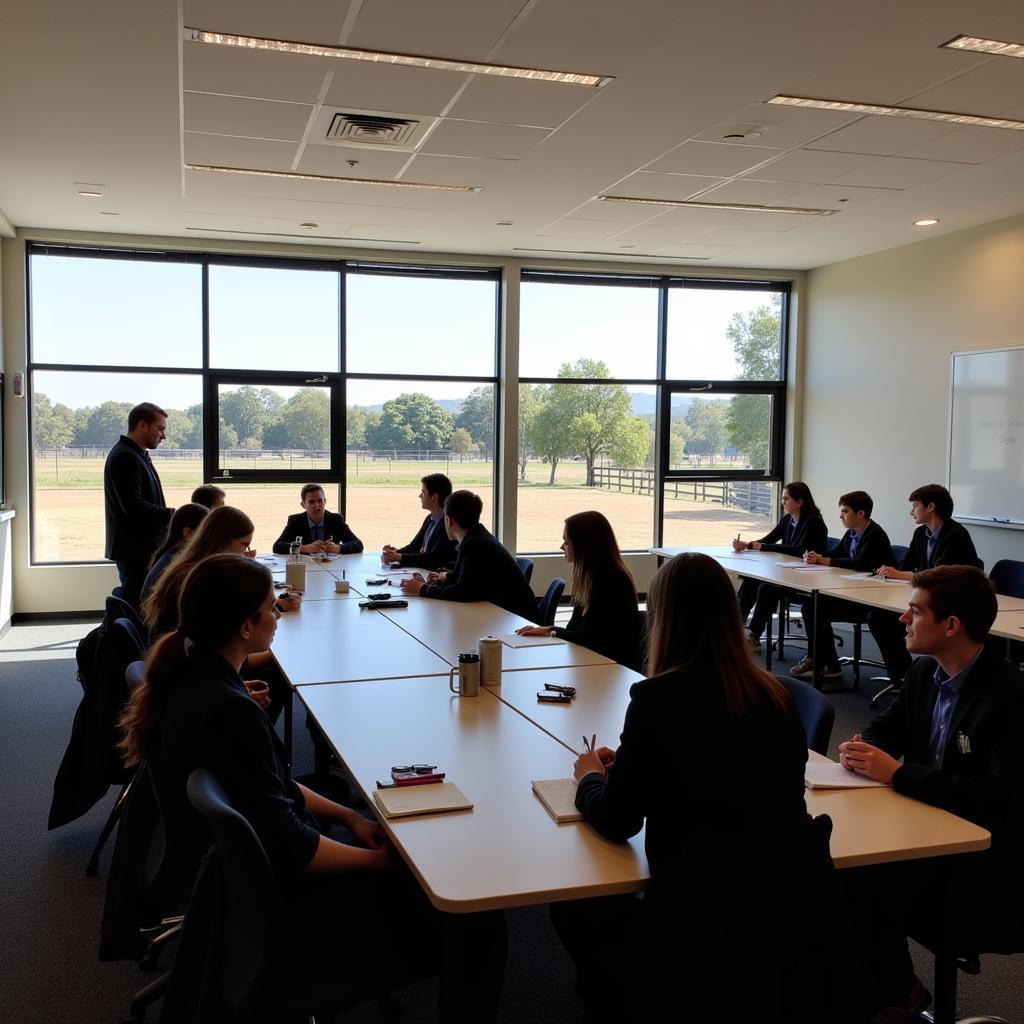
{"x": 880, "y": 136}
{"x": 457, "y": 170}
{"x": 200, "y": 221}
{"x": 255, "y": 119}
{"x": 332, "y": 160}
{"x": 477, "y": 138}
{"x": 898, "y": 172}
{"x": 779, "y": 127}
{"x": 521, "y": 101}
{"x": 648, "y": 185}
{"x": 323, "y": 229}
{"x": 382, "y": 233}
{"x": 750, "y": 190}
{"x": 276, "y": 76}
{"x": 987, "y": 89}
{"x": 386, "y": 87}
{"x": 664, "y": 233}
{"x": 712, "y": 158}
{"x": 837, "y": 197}
{"x": 687, "y": 217}
{"x": 811, "y": 166}
{"x": 615, "y": 213}
{"x": 697, "y": 251}
{"x": 572, "y": 227}
{"x": 223, "y": 151}
{"x": 729, "y": 236}
{"x": 312, "y": 21}
{"x": 595, "y": 248}
{"x": 972, "y": 145}
{"x": 440, "y": 28}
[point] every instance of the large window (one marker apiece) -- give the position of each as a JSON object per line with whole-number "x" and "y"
{"x": 270, "y": 371}
{"x": 657, "y": 401}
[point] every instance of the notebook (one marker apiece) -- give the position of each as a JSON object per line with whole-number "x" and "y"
{"x": 559, "y": 797}
{"x": 515, "y": 640}
{"x": 404, "y": 801}
{"x": 830, "y": 775}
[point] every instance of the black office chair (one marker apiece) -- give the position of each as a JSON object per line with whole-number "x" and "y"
{"x": 127, "y": 609}
{"x": 525, "y": 567}
{"x": 548, "y": 604}
{"x": 817, "y": 715}
{"x": 238, "y": 926}
{"x": 1007, "y": 577}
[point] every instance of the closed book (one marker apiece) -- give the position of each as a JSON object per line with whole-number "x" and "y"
{"x": 405, "y": 801}
{"x": 559, "y": 797}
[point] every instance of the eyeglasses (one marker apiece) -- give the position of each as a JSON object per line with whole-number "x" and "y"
{"x": 569, "y": 691}
{"x": 418, "y": 769}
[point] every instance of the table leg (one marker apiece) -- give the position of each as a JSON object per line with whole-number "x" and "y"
{"x": 944, "y": 986}
{"x": 473, "y": 967}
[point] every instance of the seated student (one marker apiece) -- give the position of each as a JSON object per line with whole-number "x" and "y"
{"x": 322, "y": 532}
{"x": 938, "y": 540}
{"x": 183, "y": 524}
{"x": 800, "y": 529}
{"x": 192, "y": 711}
{"x": 431, "y": 548}
{"x": 484, "y": 570}
{"x": 957, "y": 725}
{"x": 605, "y": 616}
{"x": 864, "y": 547}
{"x": 712, "y": 756}
{"x": 209, "y": 495}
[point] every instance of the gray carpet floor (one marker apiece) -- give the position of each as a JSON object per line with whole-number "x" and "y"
{"x": 50, "y": 911}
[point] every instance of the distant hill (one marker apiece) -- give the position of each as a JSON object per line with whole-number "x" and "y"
{"x": 644, "y": 404}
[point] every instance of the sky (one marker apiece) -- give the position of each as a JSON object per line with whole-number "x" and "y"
{"x": 123, "y": 312}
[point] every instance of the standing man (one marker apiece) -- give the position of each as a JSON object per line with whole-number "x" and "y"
{"x": 322, "y": 532}
{"x": 431, "y": 548}
{"x": 957, "y": 725}
{"x": 938, "y": 540}
{"x": 136, "y": 514}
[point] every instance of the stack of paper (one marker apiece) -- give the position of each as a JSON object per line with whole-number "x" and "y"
{"x": 559, "y": 797}
{"x": 829, "y": 775}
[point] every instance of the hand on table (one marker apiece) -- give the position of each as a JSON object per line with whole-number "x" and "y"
{"x": 390, "y": 555}
{"x": 259, "y": 691}
{"x": 314, "y": 547}
{"x": 739, "y": 545}
{"x": 330, "y": 547}
{"x": 589, "y": 763}
{"x": 413, "y": 585}
{"x": 813, "y": 558}
{"x": 250, "y": 552}
{"x": 436, "y": 577}
{"x": 535, "y": 631}
{"x": 370, "y": 833}
{"x": 857, "y": 756}
{"x": 289, "y": 600}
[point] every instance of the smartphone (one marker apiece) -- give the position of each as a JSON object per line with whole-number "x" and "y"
{"x": 554, "y": 698}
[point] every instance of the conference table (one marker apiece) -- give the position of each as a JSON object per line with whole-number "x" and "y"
{"x": 377, "y": 684}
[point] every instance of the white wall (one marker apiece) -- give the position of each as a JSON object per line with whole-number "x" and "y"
{"x": 879, "y": 331}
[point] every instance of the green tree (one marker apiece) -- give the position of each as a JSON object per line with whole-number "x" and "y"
{"x": 412, "y": 421}
{"x": 461, "y": 442}
{"x": 179, "y": 429}
{"x": 531, "y": 401}
{"x": 632, "y": 442}
{"x": 355, "y": 427}
{"x": 548, "y": 436}
{"x": 246, "y": 411}
{"x": 706, "y": 418}
{"x": 104, "y": 425}
{"x": 53, "y": 426}
{"x": 304, "y": 421}
{"x": 680, "y": 433}
{"x": 477, "y": 417}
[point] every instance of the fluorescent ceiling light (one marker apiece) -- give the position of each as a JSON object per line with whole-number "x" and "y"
{"x": 976, "y": 44}
{"x": 326, "y": 177}
{"x": 90, "y": 195}
{"x": 884, "y": 111}
{"x": 927, "y": 222}
{"x": 199, "y": 35}
{"x": 697, "y": 204}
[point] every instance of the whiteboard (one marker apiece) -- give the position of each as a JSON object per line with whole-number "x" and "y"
{"x": 986, "y": 436}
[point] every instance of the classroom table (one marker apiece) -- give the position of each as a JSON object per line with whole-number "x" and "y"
{"x": 320, "y": 587}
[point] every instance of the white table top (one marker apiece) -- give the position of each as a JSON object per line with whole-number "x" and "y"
{"x": 320, "y": 587}
{"x": 1009, "y": 625}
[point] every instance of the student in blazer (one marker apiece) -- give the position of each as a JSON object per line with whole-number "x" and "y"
{"x": 938, "y": 540}
{"x": 800, "y": 529}
{"x": 863, "y": 548}
{"x": 956, "y": 724}
{"x": 484, "y": 570}
{"x": 320, "y": 530}
{"x": 431, "y": 548}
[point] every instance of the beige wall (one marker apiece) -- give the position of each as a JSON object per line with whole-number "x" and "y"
{"x": 879, "y": 332}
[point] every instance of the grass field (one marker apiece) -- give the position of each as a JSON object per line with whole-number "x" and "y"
{"x": 382, "y": 505}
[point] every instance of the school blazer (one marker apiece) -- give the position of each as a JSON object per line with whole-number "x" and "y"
{"x": 954, "y": 547}
{"x": 440, "y": 551}
{"x": 811, "y": 534}
{"x": 873, "y": 550}
{"x": 334, "y": 526}
{"x": 136, "y": 514}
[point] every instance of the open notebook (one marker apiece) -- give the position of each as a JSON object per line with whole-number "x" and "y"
{"x": 559, "y": 797}
{"x": 830, "y": 775}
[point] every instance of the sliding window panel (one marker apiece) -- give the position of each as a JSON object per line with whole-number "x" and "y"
{"x": 275, "y": 318}
{"x": 721, "y": 433}
{"x": 400, "y": 431}
{"x": 724, "y": 333}
{"x": 429, "y": 325}
{"x": 71, "y": 436}
{"x": 115, "y": 311}
{"x": 589, "y": 329}
{"x": 702, "y": 512}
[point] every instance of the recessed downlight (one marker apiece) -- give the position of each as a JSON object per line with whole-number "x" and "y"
{"x": 309, "y": 225}
{"x": 926, "y": 222}
{"x": 855, "y": 107}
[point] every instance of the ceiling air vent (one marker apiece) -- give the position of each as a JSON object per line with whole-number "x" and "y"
{"x": 372, "y": 128}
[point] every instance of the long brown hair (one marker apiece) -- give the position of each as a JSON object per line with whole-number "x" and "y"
{"x": 220, "y": 528}
{"x": 218, "y": 595}
{"x": 188, "y": 517}
{"x": 595, "y": 551}
{"x": 695, "y": 626}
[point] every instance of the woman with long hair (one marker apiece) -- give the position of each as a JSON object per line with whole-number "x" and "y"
{"x": 605, "y": 617}
{"x": 183, "y": 524}
{"x": 800, "y": 529}
{"x": 712, "y": 758}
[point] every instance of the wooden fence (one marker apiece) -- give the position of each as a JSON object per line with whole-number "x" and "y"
{"x": 750, "y": 495}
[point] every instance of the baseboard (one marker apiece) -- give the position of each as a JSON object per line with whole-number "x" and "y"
{"x": 39, "y": 618}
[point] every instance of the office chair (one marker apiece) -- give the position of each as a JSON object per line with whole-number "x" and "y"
{"x": 1007, "y": 576}
{"x": 525, "y": 567}
{"x": 244, "y": 929}
{"x": 548, "y": 604}
{"x": 127, "y": 609}
{"x": 816, "y": 712}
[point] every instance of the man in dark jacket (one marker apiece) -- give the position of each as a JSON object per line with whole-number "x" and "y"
{"x": 322, "y": 532}
{"x": 938, "y": 540}
{"x": 484, "y": 570}
{"x": 956, "y": 724}
{"x": 135, "y": 510}
{"x": 431, "y": 548}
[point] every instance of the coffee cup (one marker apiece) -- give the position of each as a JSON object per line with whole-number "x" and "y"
{"x": 468, "y": 671}
{"x": 341, "y": 586}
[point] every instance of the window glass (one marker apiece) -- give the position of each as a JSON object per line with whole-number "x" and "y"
{"x": 409, "y": 325}
{"x": 269, "y": 318}
{"x": 724, "y": 334}
{"x": 401, "y": 431}
{"x": 615, "y": 326}
{"x": 270, "y": 505}
{"x": 701, "y": 512}
{"x": 71, "y": 436}
{"x": 720, "y": 431}
{"x": 115, "y": 312}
